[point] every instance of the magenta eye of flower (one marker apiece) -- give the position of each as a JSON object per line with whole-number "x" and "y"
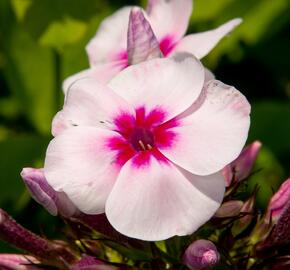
{"x": 142, "y": 139}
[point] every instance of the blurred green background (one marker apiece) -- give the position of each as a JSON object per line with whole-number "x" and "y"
{"x": 42, "y": 42}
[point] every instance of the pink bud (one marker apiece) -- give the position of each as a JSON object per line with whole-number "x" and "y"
{"x": 88, "y": 262}
{"x": 278, "y": 202}
{"x": 229, "y": 209}
{"x": 18, "y": 262}
{"x": 201, "y": 254}
{"x": 54, "y": 202}
{"x": 280, "y": 233}
{"x": 240, "y": 168}
{"x": 247, "y": 212}
{"x": 142, "y": 43}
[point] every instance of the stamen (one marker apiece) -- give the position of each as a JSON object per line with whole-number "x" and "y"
{"x": 149, "y": 147}
{"x": 142, "y": 145}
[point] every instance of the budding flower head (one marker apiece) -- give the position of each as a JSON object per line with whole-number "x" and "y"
{"x": 278, "y": 202}
{"x": 240, "y": 168}
{"x": 54, "y": 202}
{"x": 201, "y": 254}
{"x": 229, "y": 209}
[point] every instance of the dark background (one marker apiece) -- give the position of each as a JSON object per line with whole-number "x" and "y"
{"x": 42, "y": 42}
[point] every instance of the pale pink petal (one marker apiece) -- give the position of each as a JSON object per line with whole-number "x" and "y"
{"x": 89, "y": 103}
{"x": 79, "y": 163}
{"x": 142, "y": 44}
{"x": 110, "y": 41}
{"x": 169, "y": 18}
{"x": 18, "y": 262}
{"x": 201, "y": 44}
{"x": 169, "y": 84}
{"x": 101, "y": 72}
{"x": 68, "y": 82}
{"x": 213, "y": 132}
{"x": 208, "y": 75}
{"x": 157, "y": 200}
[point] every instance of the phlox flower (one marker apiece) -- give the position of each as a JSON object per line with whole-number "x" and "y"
{"x": 124, "y": 39}
{"x": 148, "y": 148}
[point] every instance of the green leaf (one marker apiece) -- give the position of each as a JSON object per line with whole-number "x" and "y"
{"x": 30, "y": 74}
{"x": 16, "y": 153}
{"x": 270, "y": 125}
{"x": 45, "y": 12}
{"x": 20, "y": 8}
{"x": 62, "y": 33}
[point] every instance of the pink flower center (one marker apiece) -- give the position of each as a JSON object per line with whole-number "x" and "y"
{"x": 143, "y": 135}
{"x": 142, "y": 139}
{"x": 167, "y": 44}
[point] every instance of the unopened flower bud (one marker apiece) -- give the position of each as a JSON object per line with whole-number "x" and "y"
{"x": 278, "y": 202}
{"x": 240, "y": 168}
{"x": 54, "y": 202}
{"x": 273, "y": 228}
{"x": 201, "y": 254}
{"x": 247, "y": 215}
{"x": 229, "y": 209}
{"x": 18, "y": 262}
{"x": 142, "y": 43}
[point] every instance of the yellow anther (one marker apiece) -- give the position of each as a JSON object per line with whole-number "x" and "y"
{"x": 142, "y": 145}
{"x": 149, "y": 147}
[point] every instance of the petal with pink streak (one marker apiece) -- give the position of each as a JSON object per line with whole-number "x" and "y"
{"x": 201, "y": 44}
{"x": 101, "y": 72}
{"x": 89, "y": 103}
{"x": 213, "y": 132}
{"x": 110, "y": 42}
{"x": 18, "y": 262}
{"x": 158, "y": 200}
{"x": 170, "y": 84}
{"x": 169, "y": 17}
{"x": 142, "y": 44}
{"x": 78, "y": 162}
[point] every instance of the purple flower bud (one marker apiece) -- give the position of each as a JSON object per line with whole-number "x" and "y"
{"x": 240, "y": 168}
{"x": 280, "y": 233}
{"x": 229, "y": 209}
{"x": 201, "y": 254}
{"x": 278, "y": 202}
{"x": 88, "y": 263}
{"x": 18, "y": 262}
{"x": 54, "y": 202}
{"x": 142, "y": 43}
{"x": 247, "y": 212}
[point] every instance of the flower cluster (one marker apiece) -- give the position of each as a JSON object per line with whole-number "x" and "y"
{"x": 148, "y": 147}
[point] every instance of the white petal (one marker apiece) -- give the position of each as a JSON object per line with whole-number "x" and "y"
{"x": 110, "y": 41}
{"x": 170, "y": 84}
{"x": 89, "y": 103}
{"x": 169, "y": 18}
{"x": 201, "y": 44}
{"x": 101, "y": 72}
{"x": 159, "y": 200}
{"x": 213, "y": 132}
{"x": 79, "y": 163}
